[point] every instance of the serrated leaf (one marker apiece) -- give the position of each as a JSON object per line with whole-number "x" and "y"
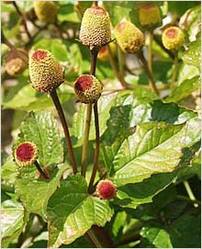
{"x": 72, "y": 211}
{"x": 42, "y": 129}
{"x": 12, "y": 221}
{"x": 9, "y": 172}
{"x": 154, "y": 148}
{"x": 193, "y": 55}
{"x": 36, "y": 202}
{"x": 184, "y": 89}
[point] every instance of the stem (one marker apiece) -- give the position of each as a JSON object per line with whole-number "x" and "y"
{"x": 84, "y": 156}
{"x": 23, "y": 18}
{"x": 149, "y": 59}
{"x": 60, "y": 112}
{"x": 94, "y": 239}
{"x": 190, "y": 193}
{"x": 114, "y": 67}
{"x": 6, "y": 41}
{"x": 40, "y": 170}
{"x": 97, "y": 148}
{"x": 149, "y": 73}
{"x": 174, "y": 76}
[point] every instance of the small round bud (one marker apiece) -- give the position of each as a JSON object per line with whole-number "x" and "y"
{"x": 173, "y": 38}
{"x": 87, "y": 88}
{"x": 46, "y": 73}
{"x": 46, "y": 11}
{"x": 16, "y": 61}
{"x": 103, "y": 54}
{"x": 95, "y": 29}
{"x": 129, "y": 37}
{"x": 149, "y": 15}
{"x": 25, "y": 154}
{"x": 106, "y": 190}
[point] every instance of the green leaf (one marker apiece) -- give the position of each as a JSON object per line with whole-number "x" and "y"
{"x": 27, "y": 99}
{"x": 185, "y": 232}
{"x": 42, "y": 129}
{"x": 68, "y": 14}
{"x": 157, "y": 236}
{"x": 36, "y": 202}
{"x": 9, "y": 172}
{"x": 184, "y": 89}
{"x": 72, "y": 211}
{"x": 192, "y": 56}
{"x": 154, "y": 148}
{"x": 12, "y": 221}
{"x": 132, "y": 195}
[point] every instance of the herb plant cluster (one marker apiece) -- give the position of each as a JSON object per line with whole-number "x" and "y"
{"x": 100, "y": 124}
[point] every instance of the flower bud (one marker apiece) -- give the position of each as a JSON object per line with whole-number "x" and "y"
{"x": 46, "y": 11}
{"x": 173, "y": 38}
{"x": 149, "y": 15}
{"x": 16, "y": 61}
{"x": 95, "y": 28}
{"x": 106, "y": 190}
{"x": 25, "y": 154}
{"x": 87, "y": 88}
{"x": 129, "y": 37}
{"x": 46, "y": 73}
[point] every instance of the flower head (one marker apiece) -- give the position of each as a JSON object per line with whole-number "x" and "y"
{"x": 129, "y": 37}
{"x": 25, "y": 154}
{"x": 46, "y": 73}
{"x": 173, "y": 38}
{"x": 88, "y": 88}
{"x": 106, "y": 190}
{"x": 46, "y": 11}
{"x": 95, "y": 29}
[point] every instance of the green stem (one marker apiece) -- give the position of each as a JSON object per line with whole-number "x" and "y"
{"x": 175, "y": 70}
{"x": 148, "y": 72}
{"x": 115, "y": 69}
{"x": 149, "y": 59}
{"x": 97, "y": 148}
{"x": 190, "y": 193}
{"x": 61, "y": 115}
{"x": 94, "y": 239}
{"x": 84, "y": 155}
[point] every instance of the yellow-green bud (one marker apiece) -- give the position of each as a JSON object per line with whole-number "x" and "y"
{"x": 95, "y": 28}
{"x": 173, "y": 38}
{"x": 46, "y": 11}
{"x": 129, "y": 37}
{"x": 16, "y": 61}
{"x": 149, "y": 15}
{"x": 87, "y": 88}
{"x": 46, "y": 73}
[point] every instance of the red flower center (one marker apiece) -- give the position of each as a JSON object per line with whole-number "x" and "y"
{"x": 84, "y": 83}
{"x": 107, "y": 190}
{"x": 171, "y": 33}
{"x": 25, "y": 152}
{"x": 39, "y": 55}
{"x": 121, "y": 26}
{"x": 97, "y": 11}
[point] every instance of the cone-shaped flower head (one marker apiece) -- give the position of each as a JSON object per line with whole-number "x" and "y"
{"x": 106, "y": 190}
{"x": 149, "y": 15}
{"x": 46, "y": 11}
{"x": 87, "y": 88}
{"x": 25, "y": 154}
{"x": 173, "y": 38}
{"x": 45, "y": 72}
{"x": 129, "y": 37}
{"x": 95, "y": 28}
{"x": 16, "y": 61}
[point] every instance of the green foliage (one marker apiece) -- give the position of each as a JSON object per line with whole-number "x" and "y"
{"x": 149, "y": 143}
